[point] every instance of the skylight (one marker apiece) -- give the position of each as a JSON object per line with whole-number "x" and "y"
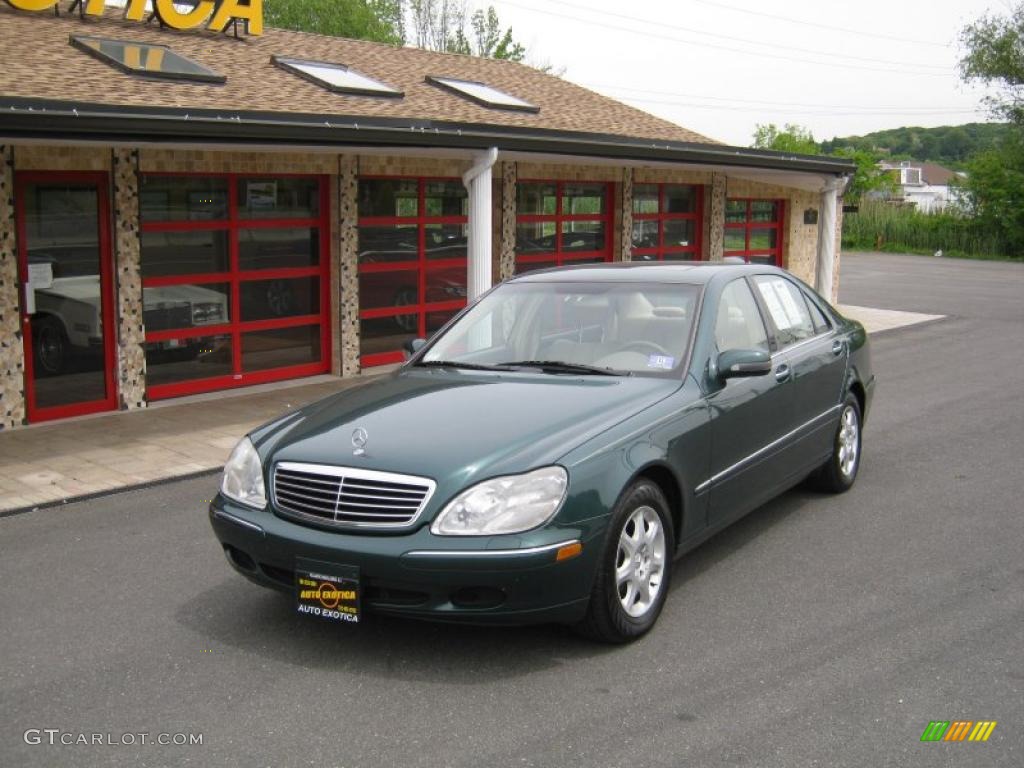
{"x": 335, "y": 77}
{"x": 145, "y": 59}
{"x": 483, "y": 94}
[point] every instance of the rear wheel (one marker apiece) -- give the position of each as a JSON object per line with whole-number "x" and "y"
{"x": 633, "y": 576}
{"x": 840, "y": 471}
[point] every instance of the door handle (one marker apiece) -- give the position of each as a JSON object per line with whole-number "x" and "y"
{"x": 782, "y": 372}
{"x": 837, "y": 347}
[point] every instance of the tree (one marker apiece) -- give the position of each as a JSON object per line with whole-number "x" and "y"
{"x": 490, "y": 41}
{"x": 994, "y": 188}
{"x": 440, "y": 25}
{"x": 378, "y": 20}
{"x": 867, "y": 177}
{"x": 791, "y": 138}
{"x": 994, "y": 55}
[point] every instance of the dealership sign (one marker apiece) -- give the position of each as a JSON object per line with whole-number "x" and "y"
{"x": 214, "y": 15}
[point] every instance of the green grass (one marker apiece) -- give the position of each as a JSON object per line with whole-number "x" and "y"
{"x": 882, "y": 227}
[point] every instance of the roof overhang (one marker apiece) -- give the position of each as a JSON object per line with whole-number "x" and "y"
{"x": 66, "y": 121}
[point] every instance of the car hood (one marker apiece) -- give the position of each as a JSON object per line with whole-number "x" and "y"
{"x": 459, "y": 427}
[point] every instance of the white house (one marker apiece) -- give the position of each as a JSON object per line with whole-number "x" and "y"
{"x": 924, "y": 185}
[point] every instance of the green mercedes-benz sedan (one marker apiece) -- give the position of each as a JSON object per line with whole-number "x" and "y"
{"x": 550, "y": 453}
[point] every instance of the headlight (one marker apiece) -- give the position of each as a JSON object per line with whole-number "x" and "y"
{"x": 508, "y": 504}
{"x": 243, "y": 476}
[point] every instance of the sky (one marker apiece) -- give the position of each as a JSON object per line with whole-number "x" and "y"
{"x": 720, "y": 67}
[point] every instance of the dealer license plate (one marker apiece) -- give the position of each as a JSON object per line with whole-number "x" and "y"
{"x": 327, "y": 590}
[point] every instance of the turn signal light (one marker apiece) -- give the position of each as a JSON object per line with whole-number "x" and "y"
{"x": 568, "y": 552}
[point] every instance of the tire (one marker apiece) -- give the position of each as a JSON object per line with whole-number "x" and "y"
{"x": 838, "y": 474}
{"x": 641, "y": 525}
{"x": 50, "y": 346}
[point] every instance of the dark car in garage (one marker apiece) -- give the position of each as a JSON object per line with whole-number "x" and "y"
{"x": 551, "y": 452}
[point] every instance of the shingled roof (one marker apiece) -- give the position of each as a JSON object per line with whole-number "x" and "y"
{"x": 47, "y": 67}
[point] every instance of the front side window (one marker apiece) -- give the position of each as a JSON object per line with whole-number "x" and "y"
{"x": 412, "y": 261}
{"x": 666, "y": 222}
{"x": 560, "y": 223}
{"x": 643, "y": 329}
{"x": 787, "y": 309}
{"x": 739, "y": 324}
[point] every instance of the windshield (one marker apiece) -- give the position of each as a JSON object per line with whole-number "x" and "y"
{"x": 626, "y": 328}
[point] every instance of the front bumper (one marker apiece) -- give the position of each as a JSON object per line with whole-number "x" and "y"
{"x": 498, "y": 579}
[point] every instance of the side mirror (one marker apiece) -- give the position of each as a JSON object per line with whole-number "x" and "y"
{"x": 412, "y": 346}
{"x": 737, "y": 363}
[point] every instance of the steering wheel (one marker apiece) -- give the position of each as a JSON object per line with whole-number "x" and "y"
{"x": 648, "y": 345}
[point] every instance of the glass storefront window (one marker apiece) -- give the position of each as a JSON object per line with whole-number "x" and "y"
{"x": 561, "y": 222}
{"x": 184, "y": 252}
{"x": 183, "y": 198}
{"x": 185, "y": 306}
{"x": 753, "y": 230}
{"x": 279, "y": 297}
{"x": 446, "y": 241}
{"x": 249, "y": 271}
{"x": 666, "y": 222}
{"x": 281, "y": 348}
{"x": 278, "y": 248}
{"x": 389, "y": 289}
{"x": 645, "y": 198}
{"x": 582, "y": 236}
{"x": 536, "y": 199}
{"x": 175, "y": 361}
{"x": 388, "y": 243}
{"x": 580, "y": 199}
{"x": 278, "y": 198}
{"x": 445, "y": 198}
{"x": 388, "y": 197}
{"x": 412, "y": 261}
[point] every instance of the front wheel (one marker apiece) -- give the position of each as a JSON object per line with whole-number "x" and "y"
{"x": 838, "y": 473}
{"x": 51, "y": 345}
{"x": 633, "y": 576}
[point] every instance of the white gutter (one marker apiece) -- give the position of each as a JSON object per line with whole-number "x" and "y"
{"x": 827, "y": 236}
{"x": 478, "y": 183}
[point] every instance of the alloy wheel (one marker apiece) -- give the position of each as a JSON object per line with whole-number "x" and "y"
{"x": 849, "y": 441}
{"x": 640, "y": 561}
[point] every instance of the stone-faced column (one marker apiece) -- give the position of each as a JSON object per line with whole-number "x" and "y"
{"x": 12, "y": 349}
{"x": 131, "y": 331}
{"x": 348, "y": 266}
{"x": 716, "y": 218}
{"x": 507, "y": 246}
{"x": 626, "y": 218}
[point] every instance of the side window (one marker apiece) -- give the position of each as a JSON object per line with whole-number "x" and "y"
{"x": 739, "y": 324}
{"x": 786, "y": 308}
{"x": 821, "y": 323}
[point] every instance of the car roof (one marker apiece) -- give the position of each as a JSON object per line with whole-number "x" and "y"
{"x": 695, "y": 272}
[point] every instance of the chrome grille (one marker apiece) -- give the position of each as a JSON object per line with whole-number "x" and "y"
{"x": 346, "y": 496}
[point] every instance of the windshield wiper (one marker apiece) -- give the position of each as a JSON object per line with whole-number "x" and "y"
{"x": 457, "y": 364}
{"x": 560, "y": 366}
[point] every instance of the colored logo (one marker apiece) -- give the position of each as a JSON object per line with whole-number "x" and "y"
{"x": 958, "y": 730}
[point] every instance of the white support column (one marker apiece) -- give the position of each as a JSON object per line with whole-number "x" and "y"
{"x": 478, "y": 183}
{"x": 827, "y": 237}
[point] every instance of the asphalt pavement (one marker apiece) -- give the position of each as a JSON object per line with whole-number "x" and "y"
{"x": 819, "y": 630}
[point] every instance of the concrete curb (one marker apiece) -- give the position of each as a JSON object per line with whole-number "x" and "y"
{"x": 107, "y": 492}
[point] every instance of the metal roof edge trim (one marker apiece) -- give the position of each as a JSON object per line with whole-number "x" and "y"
{"x": 38, "y": 118}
